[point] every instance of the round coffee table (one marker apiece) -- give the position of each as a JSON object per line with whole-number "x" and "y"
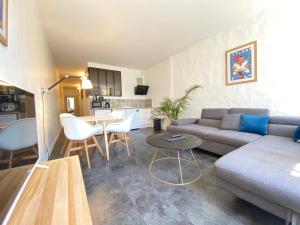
{"x": 186, "y": 144}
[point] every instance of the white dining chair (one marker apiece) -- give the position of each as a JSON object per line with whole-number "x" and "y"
{"x": 18, "y": 136}
{"x": 120, "y": 133}
{"x": 77, "y": 132}
{"x": 61, "y": 118}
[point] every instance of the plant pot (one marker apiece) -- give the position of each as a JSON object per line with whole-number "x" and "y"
{"x": 157, "y": 123}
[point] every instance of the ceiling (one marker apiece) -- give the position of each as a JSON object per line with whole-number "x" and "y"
{"x": 134, "y": 33}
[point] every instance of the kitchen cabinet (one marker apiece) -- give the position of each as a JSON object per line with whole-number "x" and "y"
{"x": 136, "y": 118}
{"x": 95, "y": 81}
{"x": 9, "y": 117}
{"x": 141, "y": 116}
{"x": 105, "y": 82}
{"x": 110, "y": 83}
{"x": 145, "y": 117}
{"x": 102, "y": 82}
{"x": 117, "y": 83}
{"x": 102, "y": 112}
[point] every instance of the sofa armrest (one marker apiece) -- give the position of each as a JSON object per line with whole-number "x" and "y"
{"x": 184, "y": 121}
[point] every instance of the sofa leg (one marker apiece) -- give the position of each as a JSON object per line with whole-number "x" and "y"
{"x": 295, "y": 218}
{"x": 292, "y": 218}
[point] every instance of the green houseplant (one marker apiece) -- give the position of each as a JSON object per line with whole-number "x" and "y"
{"x": 171, "y": 109}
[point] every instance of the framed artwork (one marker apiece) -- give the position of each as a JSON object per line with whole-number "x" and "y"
{"x": 3, "y": 21}
{"x": 241, "y": 64}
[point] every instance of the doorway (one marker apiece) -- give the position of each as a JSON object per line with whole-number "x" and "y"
{"x": 72, "y": 100}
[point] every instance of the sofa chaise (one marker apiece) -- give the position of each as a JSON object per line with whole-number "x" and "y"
{"x": 263, "y": 170}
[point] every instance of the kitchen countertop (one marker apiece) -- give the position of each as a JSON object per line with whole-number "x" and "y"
{"x": 121, "y": 108}
{"x": 9, "y": 112}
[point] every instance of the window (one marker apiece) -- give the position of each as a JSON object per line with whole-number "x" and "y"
{"x": 70, "y": 104}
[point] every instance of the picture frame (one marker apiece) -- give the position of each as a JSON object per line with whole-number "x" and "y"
{"x": 3, "y": 22}
{"x": 241, "y": 64}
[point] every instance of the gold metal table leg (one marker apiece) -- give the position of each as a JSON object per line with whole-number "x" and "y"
{"x": 194, "y": 163}
{"x": 178, "y": 156}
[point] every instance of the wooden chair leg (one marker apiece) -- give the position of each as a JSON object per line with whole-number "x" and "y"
{"x": 67, "y": 153}
{"x": 98, "y": 145}
{"x": 80, "y": 151}
{"x": 64, "y": 146}
{"x": 109, "y": 143}
{"x": 11, "y": 157}
{"x": 111, "y": 136}
{"x": 87, "y": 154}
{"x": 125, "y": 135}
{"x": 131, "y": 141}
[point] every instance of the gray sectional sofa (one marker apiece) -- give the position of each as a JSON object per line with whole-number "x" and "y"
{"x": 263, "y": 170}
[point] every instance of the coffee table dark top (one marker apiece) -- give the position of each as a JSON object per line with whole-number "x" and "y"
{"x": 189, "y": 142}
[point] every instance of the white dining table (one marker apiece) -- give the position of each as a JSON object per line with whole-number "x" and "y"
{"x": 103, "y": 120}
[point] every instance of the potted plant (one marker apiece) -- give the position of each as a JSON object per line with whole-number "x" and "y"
{"x": 171, "y": 109}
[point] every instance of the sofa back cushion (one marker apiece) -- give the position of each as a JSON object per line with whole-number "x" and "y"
{"x": 249, "y": 111}
{"x": 254, "y": 124}
{"x": 286, "y": 120}
{"x": 231, "y": 122}
{"x": 213, "y": 113}
{"x": 282, "y": 130}
{"x": 209, "y": 123}
{"x": 284, "y": 126}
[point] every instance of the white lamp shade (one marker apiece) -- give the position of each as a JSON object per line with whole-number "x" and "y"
{"x": 86, "y": 84}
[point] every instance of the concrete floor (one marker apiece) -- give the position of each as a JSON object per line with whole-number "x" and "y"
{"x": 122, "y": 191}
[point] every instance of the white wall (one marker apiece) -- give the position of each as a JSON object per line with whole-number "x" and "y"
{"x": 159, "y": 79}
{"x": 128, "y": 79}
{"x": 204, "y": 63}
{"x": 27, "y": 63}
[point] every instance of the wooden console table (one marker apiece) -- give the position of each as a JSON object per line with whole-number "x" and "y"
{"x": 54, "y": 195}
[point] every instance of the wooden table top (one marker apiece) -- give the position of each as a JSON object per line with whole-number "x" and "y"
{"x": 55, "y": 195}
{"x": 100, "y": 118}
{"x": 11, "y": 181}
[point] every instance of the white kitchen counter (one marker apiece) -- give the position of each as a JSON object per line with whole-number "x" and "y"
{"x": 141, "y": 119}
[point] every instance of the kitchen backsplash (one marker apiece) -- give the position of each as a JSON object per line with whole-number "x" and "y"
{"x": 138, "y": 103}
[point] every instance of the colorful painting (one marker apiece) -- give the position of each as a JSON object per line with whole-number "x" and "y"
{"x": 241, "y": 64}
{"x": 3, "y": 21}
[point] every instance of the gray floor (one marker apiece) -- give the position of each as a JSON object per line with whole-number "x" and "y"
{"x": 122, "y": 191}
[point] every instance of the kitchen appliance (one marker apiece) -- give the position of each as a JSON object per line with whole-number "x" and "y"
{"x": 141, "y": 90}
{"x": 96, "y": 104}
{"x": 107, "y": 104}
{"x": 7, "y": 107}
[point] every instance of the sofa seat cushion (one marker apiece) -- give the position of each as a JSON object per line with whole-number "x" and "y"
{"x": 268, "y": 167}
{"x": 233, "y": 138}
{"x": 195, "y": 129}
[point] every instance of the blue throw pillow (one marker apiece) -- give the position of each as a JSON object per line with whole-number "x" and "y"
{"x": 254, "y": 124}
{"x": 297, "y": 135}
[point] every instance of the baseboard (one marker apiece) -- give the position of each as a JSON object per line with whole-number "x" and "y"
{"x": 55, "y": 140}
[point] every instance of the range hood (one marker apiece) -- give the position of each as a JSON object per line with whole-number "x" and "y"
{"x": 141, "y": 90}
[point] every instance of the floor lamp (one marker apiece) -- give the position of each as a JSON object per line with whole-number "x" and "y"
{"x": 85, "y": 84}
